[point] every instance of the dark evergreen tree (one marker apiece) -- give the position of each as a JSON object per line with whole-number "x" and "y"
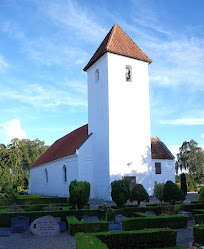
{"x": 183, "y": 184}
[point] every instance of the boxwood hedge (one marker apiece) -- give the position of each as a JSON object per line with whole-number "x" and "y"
{"x": 150, "y": 238}
{"x": 76, "y": 226}
{"x": 172, "y": 221}
{"x": 199, "y": 218}
{"x": 198, "y": 234}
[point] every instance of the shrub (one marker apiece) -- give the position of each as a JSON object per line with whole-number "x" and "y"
{"x": 76, "y": 226}
{"x": 172, "y": 193}
{"x": 178, "y": 184}
{"x": 191, "y": 187}
{"x": 79, "y": 194}
{"x": 201, "y": 195}
{"x": 108, "y": 211}
{"x": 120, "y": 191}
{"x": 199, "y": 218}
{"x": 139, "y": 194}
{"x": 198, "y": 233}
{"x": 183, "y": 184}
{"x": 10, "y": 193}
{"x": 158, "y": 191}
{"x": 18, "y": 189}
{"x": 171, "y": 221}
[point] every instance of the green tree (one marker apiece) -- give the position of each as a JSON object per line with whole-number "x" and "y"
{"x": 172, "y": 193}
{"x": 183, "y": 184}
{"x": 139, "y": 194}
{"x": 158, "y": 191}
{"x": 191, "y": 157}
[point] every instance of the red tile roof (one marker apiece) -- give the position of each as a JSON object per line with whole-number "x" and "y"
{"x": 64, "y": 146}
{"x": 159, "y": 149}
{"x": 117, "y": 42}
{"x": 68, "y": 145}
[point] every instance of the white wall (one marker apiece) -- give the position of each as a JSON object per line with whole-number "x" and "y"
{"x": 129, "y": 121}
{"x": 56, "y": 185}
{"x": 98, "y": 120}
{"x": 167, "y": 171}
{"x": 85, "y": 163}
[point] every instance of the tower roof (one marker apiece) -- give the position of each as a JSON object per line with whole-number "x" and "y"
{"x": 118, "y": 42}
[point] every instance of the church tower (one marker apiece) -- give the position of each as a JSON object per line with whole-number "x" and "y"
{"x": 118, "y": 112}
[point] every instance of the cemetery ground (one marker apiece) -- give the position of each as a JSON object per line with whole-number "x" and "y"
{"x": 64, "y": 240}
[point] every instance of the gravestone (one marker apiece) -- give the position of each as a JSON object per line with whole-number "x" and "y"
{"x": 92, "y": 218}
{"x": 150, "y": 212}
{"x": 19, "y": 224}
{"x": 62, "y": 226}
{"x": 85, "y": 217}
{"x": 185, "y": 213}
{"x": 119, "y": 218}
{"x": 43, "y": 226}
{"x": 5, "y": 231}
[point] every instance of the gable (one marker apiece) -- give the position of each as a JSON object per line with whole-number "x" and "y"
{"x": 159, "y": 150}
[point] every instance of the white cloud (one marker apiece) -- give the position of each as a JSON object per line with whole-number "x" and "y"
{"x": 202, "y": 135}
{"x": 12, "y": 129}
{"x": 174, "y": 149}
{"x": 184, "y": 121}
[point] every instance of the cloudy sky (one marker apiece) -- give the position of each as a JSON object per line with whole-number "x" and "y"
{"x": 44, "y": 46}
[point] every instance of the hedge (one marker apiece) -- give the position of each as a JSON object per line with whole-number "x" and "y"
{"x": 150, "y": 238}
{"x": 76, "y": 226}
{"x": 197, "y": 211}
{"x": 198, "y": 234}
{"x": 192, "y": 206}
{"x": 172, "y": 221}
{"x": 199, "y": 218}
{"x": 32, "y": 201}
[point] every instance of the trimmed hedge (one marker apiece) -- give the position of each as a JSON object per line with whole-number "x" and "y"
{"x": 32, "y": 201}
{"x": 172, "y": 221}
{"x": 76, "y": 226}
{"x": 197, "y": 211}
{"x": 150, "y": 238}
{"x": 198, "y": 234}
{"x": 130, "y": 211}
{"x": 199, "y": 218}
{"x": 192, "y": 206}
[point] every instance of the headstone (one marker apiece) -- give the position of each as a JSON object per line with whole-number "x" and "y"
{"x": 43, "y": 226}
{"x": 19, "y": 224}
{"x": 58, "y": 219}
{"x": 85, "y": 217}
{"x": 5, "y": 231}
{"x": 150, "y": 212}
{"x": 62, "y": 226}
{"x": 119, "y": 218}
{"x": 189, "y": 214}
{"x": 92, "y": 218}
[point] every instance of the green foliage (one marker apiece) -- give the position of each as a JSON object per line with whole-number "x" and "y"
{"x": 191, "y": 157}
{"x": 178, "y": 184}
{"x": 191, "y": 187}
{"x": 18, "y": 189}
{"x": 10, "y": 193}
{"x": 15, "y": 160}
{"x": 198, "y": 234}
{"x": 199, "y": 218}
{"x": 171, "y": 221}
{"x": 120, "y": 191}
{"x": 76, "y": 226}
{"x": 201, "y": 195}
{"x": 139, "y": 194}
{"x": 172, "y": 193}
{"x": 108, "y": 211}
{"x": 183, "y": 184}
{"x": 79, "y": 194}
{"x": 158, "y": 191}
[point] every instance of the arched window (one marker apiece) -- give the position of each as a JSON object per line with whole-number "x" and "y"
{"x": 97, "y": 75}
{"x": 46, "y": 176}
{"x": 128, "y": 73}
{"x": 64, "y": 173}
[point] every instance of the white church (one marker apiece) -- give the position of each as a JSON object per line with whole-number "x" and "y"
{"x": 116, "y": 142}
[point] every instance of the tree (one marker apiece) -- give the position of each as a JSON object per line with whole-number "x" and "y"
{"x": 15, "y": 160}
{"x": 183, "y": 184}
{"x": 139, "y": 194}
{"x": 158, "y": 191}
{"x": 172, "y": 193}
{"x": 191, "y": 157}
{"x": 120, "y": 191}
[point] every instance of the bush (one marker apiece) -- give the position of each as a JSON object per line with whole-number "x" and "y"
{"x": 158, "y": 191}
{"x": 139, "y": 194}
{"x": 191, "y": 187}
{"x": 10, "y": 193}
{"x": 183, "y": 184}
{"x": 178, "y": 184}
{"x": 172, "y": 221}
{"x": 198, "y": 234}
{"x": 172, "y": 193}
{"x": 120, "y": 191}
{"x": 79, "y": 194}
{"x": 76, "y": 226}
{"x": 199, "y": 218}
{"x": 201, "y": 195}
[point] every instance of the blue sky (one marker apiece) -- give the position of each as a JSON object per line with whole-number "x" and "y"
{"x": 44, "y": 46}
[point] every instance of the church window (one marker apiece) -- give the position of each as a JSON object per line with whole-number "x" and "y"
{"x": 64, "y": 173}
{"x": 46, "y": 176}
{"x": 97, "y": 75}
{"x": 128, "y": 73}
{"x": 157, "y": 168}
